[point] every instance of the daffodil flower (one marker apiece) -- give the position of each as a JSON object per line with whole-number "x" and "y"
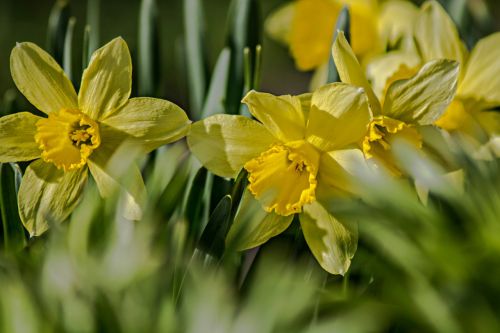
{"x": 297, "y": 154}
{"x": 479, "y": 83}
{"x": 307, "y": 27}
{"x": 80, "y": 132}
{"x": 478, "y": 88}
{"x": 406, "y": 104}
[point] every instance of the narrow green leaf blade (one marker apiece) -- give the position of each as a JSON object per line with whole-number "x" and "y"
{"x": 56, "y": 33}
{"x": 149, "y": 48}
{"x": 195, "y": 55}
{"x": 195, "y": 203}
{"x": 93, "y": 21}
{"x": 13, "y": 232}
{"x": 244, "y": 31}
{"x": 68, "y": 49}
{"x": 212, "y": 238}
{"x": 343, "y": 24}
{"x": 216, "y": 95}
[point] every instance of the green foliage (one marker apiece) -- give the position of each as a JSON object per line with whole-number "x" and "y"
{"x": 428, "y": 256}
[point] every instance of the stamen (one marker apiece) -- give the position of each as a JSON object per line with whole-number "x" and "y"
{"x": 283, "y": 178}
{"x": 67, "y": 138}
{"x": 382, "y": 133}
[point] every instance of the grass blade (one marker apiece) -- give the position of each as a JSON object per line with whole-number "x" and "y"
{"x": 195, "y": 55}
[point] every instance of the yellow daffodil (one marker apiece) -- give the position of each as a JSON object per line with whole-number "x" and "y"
{"x": 407, "y": 103}
{"x": 296, "y": 153}
{"x": 478, "y": 88}
{"x": 80, "y": 132}
{"x": 479, "y": 83}
{"x": 307, "y": 26}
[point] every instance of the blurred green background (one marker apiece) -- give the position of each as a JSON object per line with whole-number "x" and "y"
{"x": 27, "y": 20}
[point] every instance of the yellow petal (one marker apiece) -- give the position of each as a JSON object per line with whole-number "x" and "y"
{"x": 350, "y": 70}
{"x": 381, "y": 68}
{"x": 396, "y": 21}
{"x": 254, "y": 226}
{"x": 320, "y": 77}
{"x": 437, "y": 35}
{"x": 281, "y": 115}
{"x": 339, "y": 116}
{"x": 38, "y": 76}
{"x": 332, "y": 242}
{"x": 224, "y": 143}
{"x": 48, "y": 194}
{"x": 312, "y": 32}
{"x": 481, "y": 81}
{"x": 154, "y": 122}
{"x": 336, "y": 172}
{"x": 364, "y": 29}
{"x": 423, "y": 98}
{"x": 128, "y": 182}
{"x": 17, "y": 137}
{"x": 313, "y": 26}
{"x": 278, "y": 24}
{"x": 107, "y": 81}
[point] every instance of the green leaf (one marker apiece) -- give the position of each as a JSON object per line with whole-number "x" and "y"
{"x": 332, "y": 242}
{"x": 239, "y": 187}
{"x": 93, "y": 21}
{"x": 254, "y": 226}
{"x": 148, "y": 48}
{"x": 244, "y": 31}
{"x": 212, "y": 238}
{"x": 56, "y": 32}
{"x": 171, "y": 198}
{"x": 13, "y": 232}
{"x": 86, "y": 47}
{"x": 68, "y": 49}
{"x": 216, "y": 95}
{"x": 196, "y": 202}
{"x": 195, "y": 55}
{"x": 343, "y": 24}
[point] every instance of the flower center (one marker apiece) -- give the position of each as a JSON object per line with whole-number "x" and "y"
{"x": 283, "y": 178}
{"x": 382, "y": 132}
{"x": 67, "y": 138}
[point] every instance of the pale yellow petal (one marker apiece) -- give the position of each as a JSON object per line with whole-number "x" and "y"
{"x": 48, "y": 195}
{"x": 381, "y": 68}
{"x": 107, "y": 81}
{"x": 396, "y": 21}
{"x": 38, "y": 76}
{"x": 423, "y": 98}
{"x": 224, "y": 143}
{"x": 320, "y": 77}
{"x": 281, "y": 115}
{"x": 152, "y": 121}
{"x": 278, "y": 24}
{"x": 312, "y": 32}
{"x": 332, "y": 242}
{"x": 127, "y": 182}
{"x": 17, "y": 137}
{"x": 481, "y": 81}
{"x": 364, "y": 30}
{"x": 336, "y": 173}
{"x": 254, "y": 226}
{"x": 437, "y": 35}
{"x": 350, "y": 71}
{"x": 339, "y": 116}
